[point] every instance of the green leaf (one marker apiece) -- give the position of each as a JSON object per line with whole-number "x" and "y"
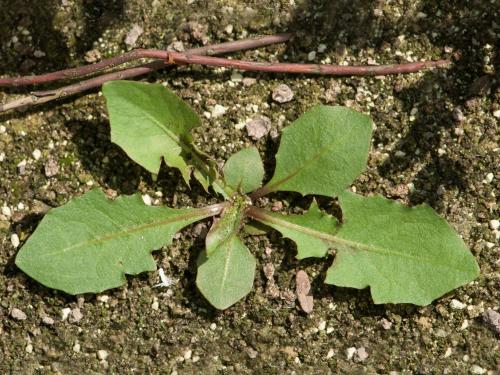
{"x": 149, "y": 122}
{"x": 312, "y": 232}
{"x": 244, "y": 171}
{"x": 90, "y": 243}
{"x": 322, "y": 152}
{"x": 227, "y": 269}
{"x": 405, "y": 255}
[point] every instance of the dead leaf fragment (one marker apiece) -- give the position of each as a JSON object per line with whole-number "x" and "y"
{"x": 303, "y": 289}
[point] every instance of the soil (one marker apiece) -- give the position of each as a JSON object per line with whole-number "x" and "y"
{"x": 436, "y": 141}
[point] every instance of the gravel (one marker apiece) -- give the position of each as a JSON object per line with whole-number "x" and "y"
{"x": 258, "y": 127}
{"x": 17, "y": 314}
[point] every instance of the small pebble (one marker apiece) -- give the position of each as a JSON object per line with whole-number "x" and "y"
{"x": 361, "y": 355}
{"x": 133, "y": 35}
{"x": 400, "y": 154}
{"x": 248, "y": 81}
{"x": 187, "y": 354}
{"x": 322, "y": 325}
{"x": 492, "y": 318}
{"x": 458, "y": 115}
{"x": 447, "y": 353}
{"x": 21, "y": 166}
{"x": 2, "y": 156}
{"x": 497, "y": 113}
{"x": 14, "y": 240}
{"x": 29, "y": 348}
{"x": 236, "y": 77}
{"x": 321, "y": 48}
{"x": 311, "y": 55}
{"x": 475, "y": 369}
{"x": 37, "y": 154}
{"x": 6, "y": 211}
{"x": 282, "y": 93}
{"x": 494, "y": 224}
{"x": 213, "y": 327}
{"x": 51, "y": 168}
{"x": 258, "y": 127}
{"x": 386, "y": 324}
{"x": 229, "y": 29}
{"x": 147, "y": 200}
{"x": 17, "y": 314}
{"x": 65, "y": 313}
{"x": 457, "y": 305}
{"x": 350, "y": 352}
{"x": 76, "y": 348}
{"x": 38, "y": 54}
{"x": 155, "y": 305}
{"x": 47, "y": 320}
{"x": 3, "y": 129}
{"x": 464, "y": 325}
{"x": 76, "y": 315}
{"x": 102, "y": 354}
{"x": 218, "y": 111}
{"x": 489, "y": 177}
{"x": 330, "y": 354}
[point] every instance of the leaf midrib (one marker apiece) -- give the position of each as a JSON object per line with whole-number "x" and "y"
{"x": 274, "y": 186}
{"x": 262, "y": 215}
{"x": 202, "y": 213}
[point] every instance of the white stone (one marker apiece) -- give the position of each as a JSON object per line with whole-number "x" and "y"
{"x": 457, "y": 305}
{"x": 329, "y": 330}
{"x": 489, "y": 177}
{"x": 18, "y": 314}
{"x": 400, "y": 154}
{"x": 29, "y": 348}
{"x": 147, "y": 200}
{"x": 218, "y": 111}
{"x": 447, "y": 353}
{"x": 497, "y": 113}
{"x": 102, "y": 354}
{"x": 6, "y": 211}
{"x": 133, "y": 35}
{"x": 282, "y": 93}
{"x": 187, "y": 354}
{"x": 2, "y": 156}
{"x": 322, "y": 325}
{"x": 3, "y": 129}
{"x": 65, "y": 313}
{"x": 475, "y": 369}
{"x": 350, "y": 352}
{"x": 76, "y": 348}
{"x": 321, "y": 48}
{"x": 213, "y": 327}
{"x": 441, "y": 152}
{"x": 494, "y": 224}
{"x": 20, "y": 206}
{"x": 14, "y": 240}
{"x": 330, "y": 354}
{"x": 47, "y": 320}
{"x": 104, "y": 298}
{"x": 311, "y": 56}
{"x": 361, "y": 354}
{"x": 37, "y": 154}
{"x": 155, "y": 305}
{"x": 236, "y": 77}
{"x": 229, "y": 29}
{"x": 38, "y": 53}
{"x": 464, "y": 325}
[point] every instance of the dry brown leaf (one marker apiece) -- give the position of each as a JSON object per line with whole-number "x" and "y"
{"x": 303, "y": 289}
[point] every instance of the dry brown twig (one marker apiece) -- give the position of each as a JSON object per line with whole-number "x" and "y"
{"x": 196, "y": 56}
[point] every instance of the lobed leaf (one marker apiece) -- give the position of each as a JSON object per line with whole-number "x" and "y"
{"x": 149, "y": 122}
{"x": 90, "y": 243}
{"x": 312, "y": 232}
{"x": 227, "y": 268}
{"x": 244, "y": 170}
{"x": 322, "y": 152}
{"x": 405, "y": 255}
